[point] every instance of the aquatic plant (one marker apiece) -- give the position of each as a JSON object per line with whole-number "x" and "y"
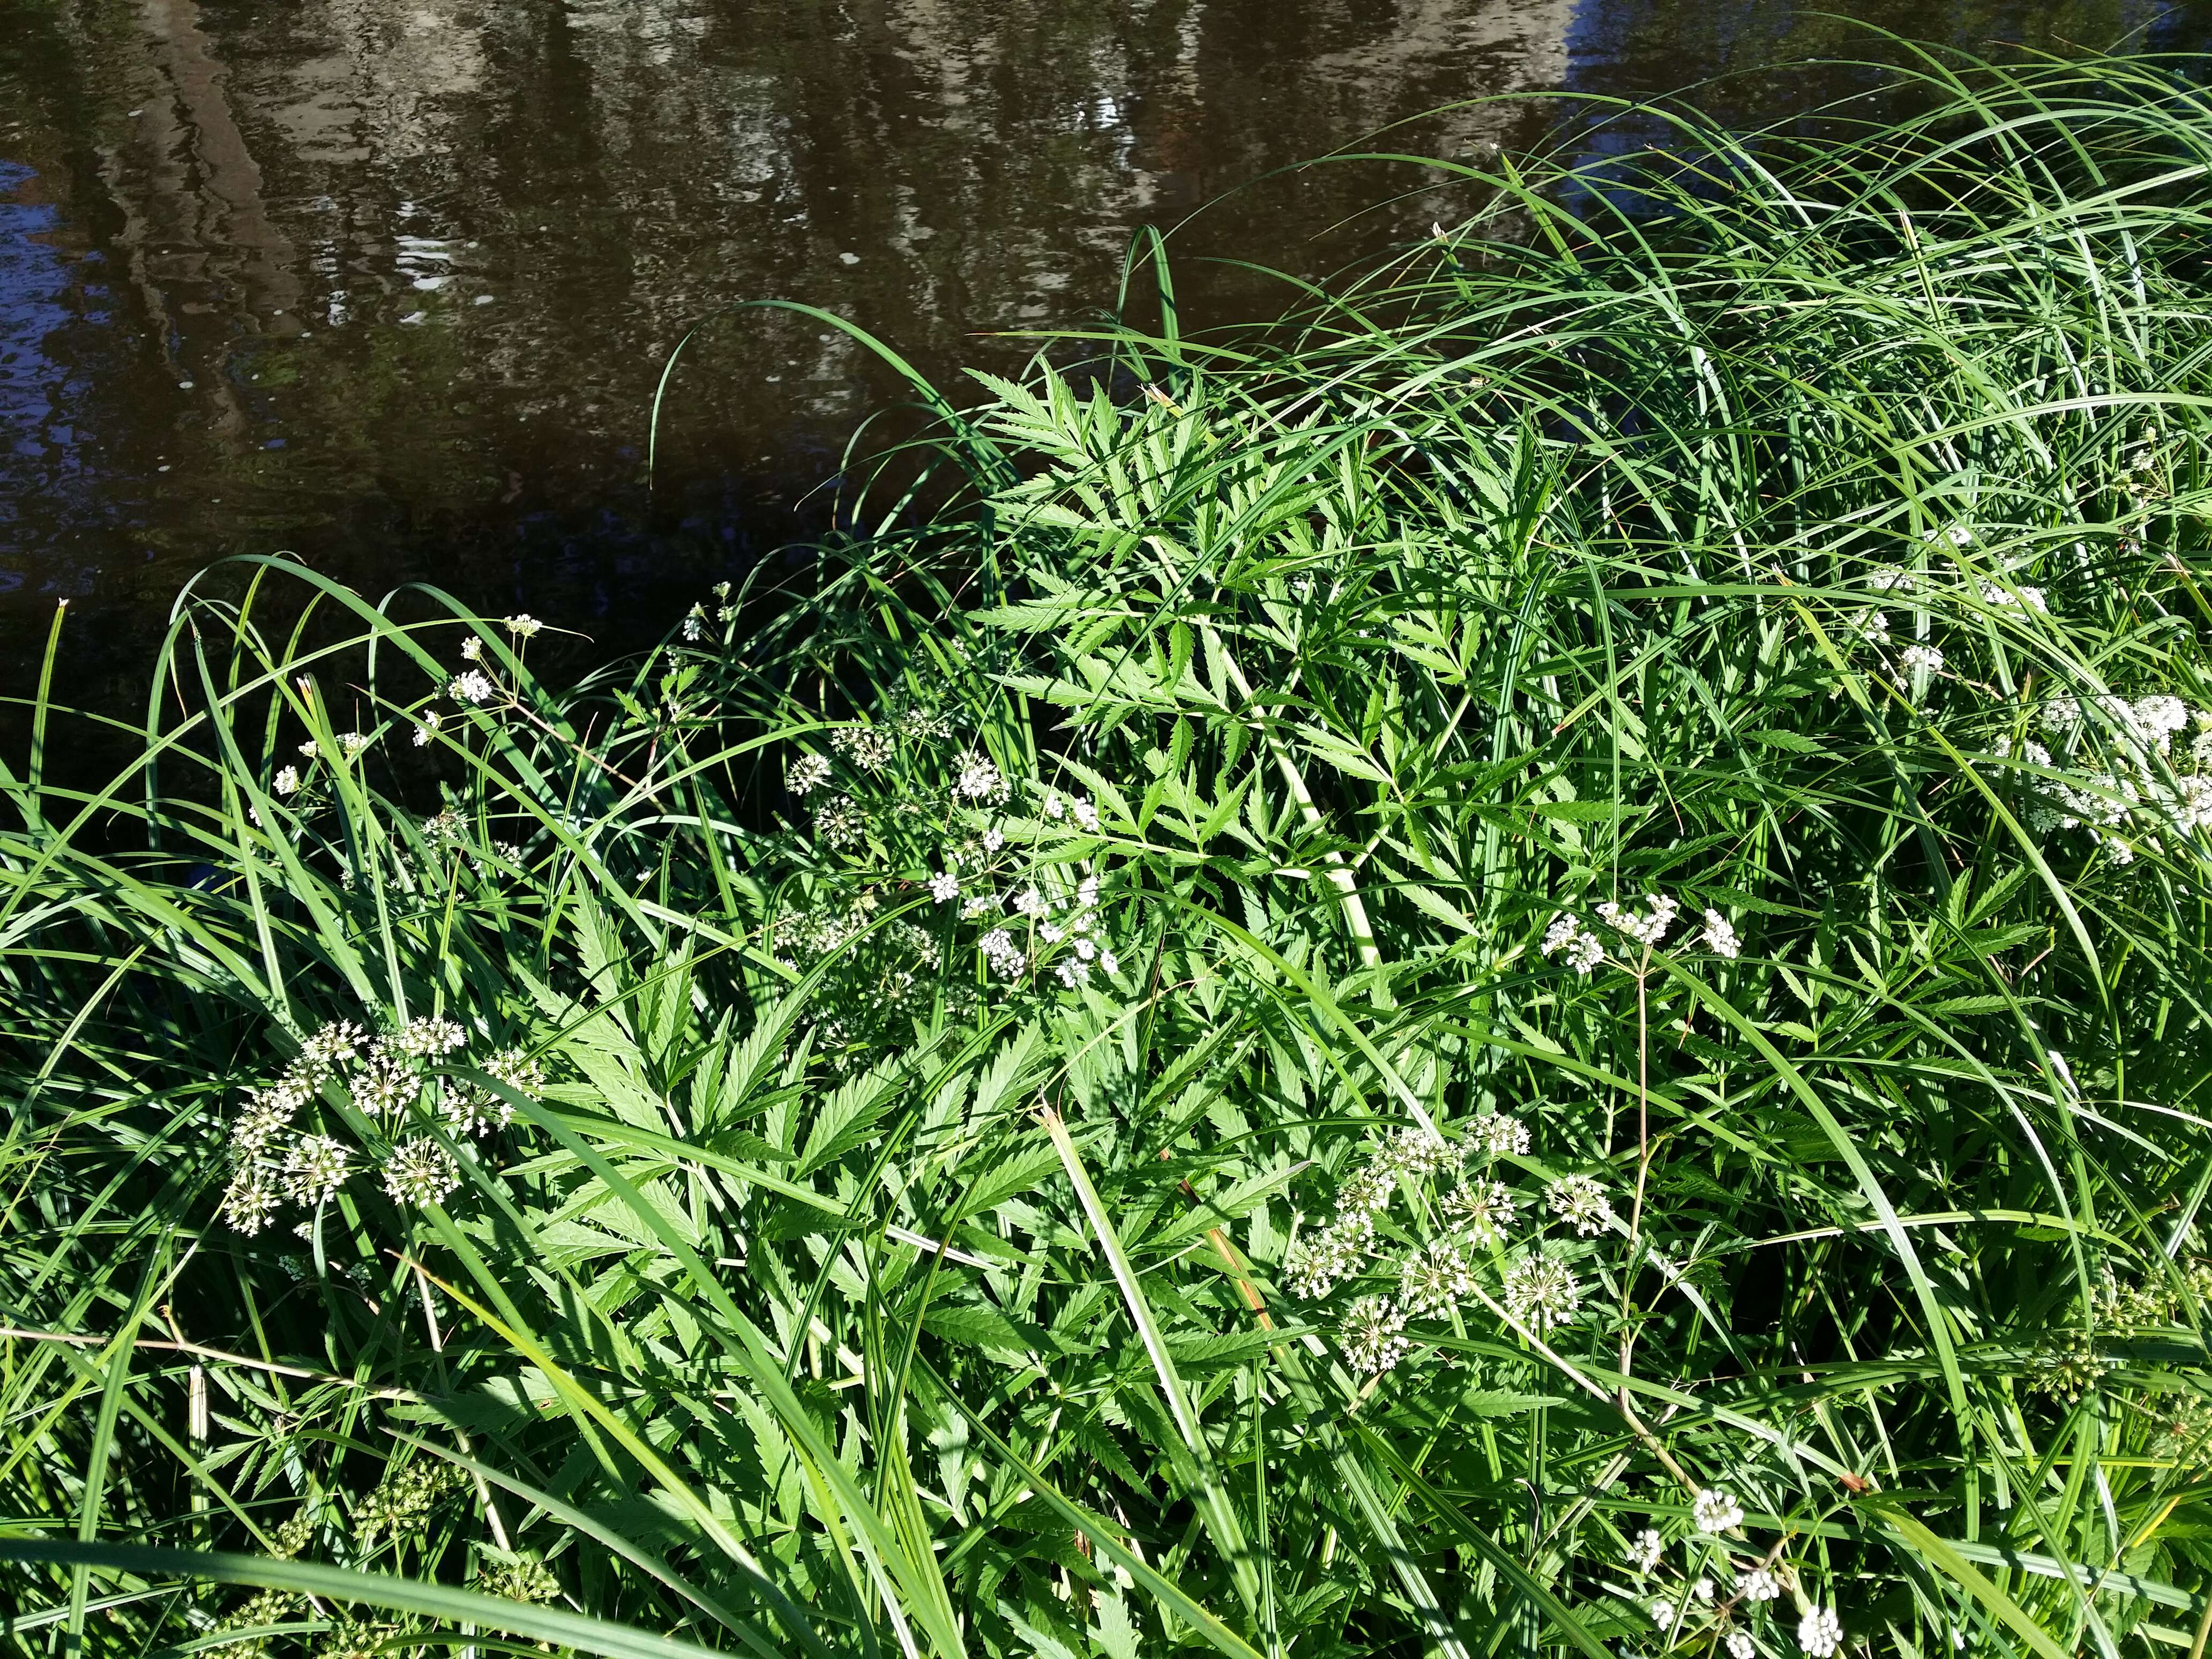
{"x": 1519, "y": 967}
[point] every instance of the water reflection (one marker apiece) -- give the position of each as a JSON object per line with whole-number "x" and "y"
{"x": 388, "y": 282}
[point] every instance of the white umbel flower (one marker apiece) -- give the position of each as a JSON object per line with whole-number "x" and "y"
{"x": 1005, "y": 956}
{"x": 288, "y": 780}
{"x": 1760, "y": 1585}
{"x": 1740, "y": 1644}
{"x": 420, "y": 1172}
{"x": 1372, "y": 1338}
{"x": 1368, "y": 1188}
{"x": 1579, "y": 1200}
{"x": 945, "y": 887}
{"x": 1649, "y": 929}
{"x": 473, "y": 687}
{"x": 420, "y": 1039}
{"x": 1500, "y": 1136}
{"x": 336, "y": 1044}
{"x": 1715, "y": 1510}
{"x": 1720, "y": 937}
{"x": 978, "y": 779}
{"x": 1336, "y": 1252}
{"x": 249, "y": 1200}
{"x": 524, "y": 626}
{"x": 1541, "y": 1292}
{"x": 315, "y": 1167}
{"x": 1819, "y": 1633}
{"x": 1644, "y": 1551}
{"x": 1483, "y": 1208}
{"x": 1435, "y": 1280}
{"x": 1419, "y": 1152}
{"x": 807, "y": 772}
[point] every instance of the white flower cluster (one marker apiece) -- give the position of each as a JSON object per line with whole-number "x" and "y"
{"x": 869, "y": 748}
{"x": 1580, "y": 1201}
{"x": 1583, "y": 948}
{"x": 2152, "y": 784}
{"x": 1649, "y": 928}
{"x": 383, "y": 1078}
{"x": 1649, "y": 931}
{"x": 1439, "y": 1277}
{"x": 1074, "y": 806}
{"x": 695, "y": 619}
{"x": 474, "y": 687}
{"x": 978, "y": 781}
{"x": 1714, "y": 1514}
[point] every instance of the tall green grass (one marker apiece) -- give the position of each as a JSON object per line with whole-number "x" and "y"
{"x": 1068, "y": 1082}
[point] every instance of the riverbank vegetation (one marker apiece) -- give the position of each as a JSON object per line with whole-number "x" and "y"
{"x": 1519, "y": 967}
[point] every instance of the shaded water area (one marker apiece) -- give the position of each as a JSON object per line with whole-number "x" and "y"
{"x": 389, "y": 283}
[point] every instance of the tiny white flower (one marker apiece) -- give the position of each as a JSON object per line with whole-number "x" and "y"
{"x": 993, "y": 840}
{"x": 1819, "y": 1633}
{"x": 1644, "y": 1551}
{"x": 1702, "y": 1590}
{"x": 524, "y": 626}
{"x": 1087, "y": 815}
{"x": 250, "y": 1201}
{"x": 1760, "y": 1585}
{"x": 1435, "y": 1279}
{"x": 1579, "y": 1199}
{"x": 1583, "y": 950}
{"x": 473, "y": 649}
{"x": 1003, "y": 955}
{"x": 1647, "y": 930}
{"x": 978, "y": 779}
{"x": 288, "y": 780}
{"x": 1715, "y": 1510}
{"x": 420, "y": 1172}
{"x": 1372, "y": 1338}
{"x": 1108, "y": 964}
{"x": 1500, "y": 1136}
{"x": 1054, "y": 806}
{"x": 945, "y": 887}
{"x": 429, "y": 723}
{"x": 1483, "y": 1208}
{"x": 473, "y": 687}
{"x": 314, "y": 1169}
{"x": 1540, "y": 1292}
{"x": 806, "y": 773}
{"x": 1740, "y": 1644}
{"x": 1720, "y": 937}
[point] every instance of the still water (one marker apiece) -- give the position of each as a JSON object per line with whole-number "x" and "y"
{"x": 389, "y": 283}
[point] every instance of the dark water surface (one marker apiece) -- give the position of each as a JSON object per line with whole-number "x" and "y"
{"x": 389, "y": 283}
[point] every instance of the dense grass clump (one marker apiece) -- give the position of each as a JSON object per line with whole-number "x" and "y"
{"x": 1519, "y": 969}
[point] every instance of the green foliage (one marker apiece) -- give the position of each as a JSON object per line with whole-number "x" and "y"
{"x": 1117, "y": 1072}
